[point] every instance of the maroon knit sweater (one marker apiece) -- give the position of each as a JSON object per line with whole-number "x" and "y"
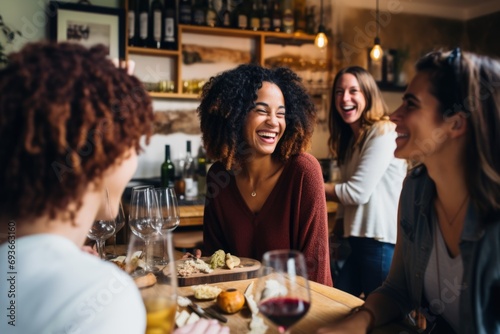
{"x": 293, "y": 217}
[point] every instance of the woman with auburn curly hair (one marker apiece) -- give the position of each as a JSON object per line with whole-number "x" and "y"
{"x": 264, "y": 192}
{"x": 70, "y": 124}
{"x": 362, "y": 139}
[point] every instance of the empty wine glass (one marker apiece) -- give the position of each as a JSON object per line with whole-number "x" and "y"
{"x": 282, "y": 290}
{"x": 102, "y": 229}
{"x": 144, "y": 219}
{"x": 120, "y": 222}
{"x": 167, "y": 201}
{"x": 170, "y": 218}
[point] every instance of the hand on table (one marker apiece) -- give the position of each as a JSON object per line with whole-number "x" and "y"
{"x": 203, "y": 326}
{"x": 197, "y": 254}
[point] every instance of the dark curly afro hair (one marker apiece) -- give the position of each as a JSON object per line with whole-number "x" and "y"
{"x": 226, "y": 100}
{"x": 66, "y": 115}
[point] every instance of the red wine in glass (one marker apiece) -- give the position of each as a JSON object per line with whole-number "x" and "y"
{"x": 282, "y": 290}
{"x": 284, "y": 311}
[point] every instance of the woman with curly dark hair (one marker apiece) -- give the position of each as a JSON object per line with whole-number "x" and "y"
{"x": 264, "y": 192}
{"x": 70, "y": 125}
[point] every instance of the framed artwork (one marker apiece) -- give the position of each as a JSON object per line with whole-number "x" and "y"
{"x": 88, "y": 25}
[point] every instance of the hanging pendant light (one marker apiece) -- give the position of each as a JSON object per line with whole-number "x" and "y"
{"x": 321, "y": 41}
{"x": 376, "y": 52}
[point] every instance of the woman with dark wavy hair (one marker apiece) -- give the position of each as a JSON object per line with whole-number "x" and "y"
{"x": 362, "y": 140}
{"x": 70, "y": 125}
{"x": 446, "y": 265}
{"x": 264, "y": 192}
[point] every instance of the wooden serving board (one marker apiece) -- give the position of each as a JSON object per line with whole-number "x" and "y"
{"x": 248, "y": 268}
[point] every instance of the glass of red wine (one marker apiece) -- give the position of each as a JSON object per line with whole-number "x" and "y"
{"x": 282, "y": 290}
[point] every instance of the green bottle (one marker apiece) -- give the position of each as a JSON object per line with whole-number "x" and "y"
{"x": 201, "y": 172}
{"x": 167, "y": 170}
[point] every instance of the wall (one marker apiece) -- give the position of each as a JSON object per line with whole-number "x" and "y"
{"x": 412, "y": 34}
{"x": 353, "y": 34}
{"x": 482, "y": 34}
{"x": 30, "y": 17}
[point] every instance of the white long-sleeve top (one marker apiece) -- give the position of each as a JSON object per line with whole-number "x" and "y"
{"x": 371, "y": 182}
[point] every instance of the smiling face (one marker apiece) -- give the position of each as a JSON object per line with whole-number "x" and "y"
{"x": 265, "y": 124}
{"x": 349, "y": 100}
{"x": 419, "y": 124}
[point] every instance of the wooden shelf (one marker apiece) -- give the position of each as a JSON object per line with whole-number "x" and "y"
{"x": 231, "y": 32}
{"x": 152, "y": 52}
{"x": 180, "y": 96}
{"x": 260, "y": 37}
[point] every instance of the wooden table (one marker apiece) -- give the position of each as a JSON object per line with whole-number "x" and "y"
{"x": 192, "y": 215}
{"x": 327, "y": 305}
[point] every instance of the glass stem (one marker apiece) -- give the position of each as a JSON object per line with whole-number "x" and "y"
{"x": 100, "y": 247}
{"x": 147, "y": 257}
{"x": 114, "y": 245}
{"x": 165, "y": 255}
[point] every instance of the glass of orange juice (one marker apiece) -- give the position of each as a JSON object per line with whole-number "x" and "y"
{"x": 160, "y": 299}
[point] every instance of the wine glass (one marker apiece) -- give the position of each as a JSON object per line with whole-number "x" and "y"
{"x": 102, "y": 229}
{"x": 282, "y": 290}
{"x": 144, "y": 219}
{"x": 159, "y": 299}
{"x": 120, "y": 222}
{"x": 170, "y": 218}
{"x": 167, "y": 201}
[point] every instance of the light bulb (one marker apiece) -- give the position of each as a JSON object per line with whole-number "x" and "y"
{"x": 321, "y": 40}
{"x": 376, "y": 53}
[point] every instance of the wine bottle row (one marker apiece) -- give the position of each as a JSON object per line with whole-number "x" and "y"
{"x": 154, "y": 23}
{"x": 191, "y": 181}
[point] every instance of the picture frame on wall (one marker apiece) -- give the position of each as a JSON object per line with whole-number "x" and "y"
{"x": 88, "y": 25}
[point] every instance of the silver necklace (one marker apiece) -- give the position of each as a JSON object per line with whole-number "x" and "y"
{"x": 253, "y": 193}
{"x": 451, "y": 221}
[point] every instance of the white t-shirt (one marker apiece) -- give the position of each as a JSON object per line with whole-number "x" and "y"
{"x": 56, "y": 288}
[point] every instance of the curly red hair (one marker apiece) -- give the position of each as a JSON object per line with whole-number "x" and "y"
{"x": 67, "y": 114}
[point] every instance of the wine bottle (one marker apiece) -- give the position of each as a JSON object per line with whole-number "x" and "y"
{"x": 276, "y": 15}
{"x": 299, "y": 13}
{"x": 143, "y": 22}
{"x": 224, "y": 17}
{"x": 185, "y": 11}
{"x": 132, "y": 22}
{"x": 287, "y": 22}
{"x": 265, "y": 20}
{"x": 188, "y": 174}
{"x": 211, "y": 16}
{"x": 199, "y": 13}
{"x": 201, "y": 173}
{"x": 310, "y": 21}
{"x": 155, "y": 24}
{"x": 255, "y": 17}
{"x": 167, "y": 170}
{"x": 241, "y": 16}
{"x": 170, "y": 25}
